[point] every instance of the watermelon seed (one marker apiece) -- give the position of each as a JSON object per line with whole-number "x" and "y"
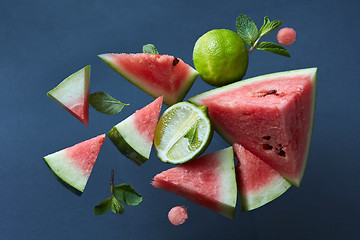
{"x": 176, "y": 61}
{"x": 266, "y": 137}
{"x": 279, "y": 151}
{"x": 267, "y": 146}
{"x": 269, "y": 92}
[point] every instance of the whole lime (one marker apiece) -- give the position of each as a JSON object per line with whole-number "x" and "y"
{"x": 221, "y": 57}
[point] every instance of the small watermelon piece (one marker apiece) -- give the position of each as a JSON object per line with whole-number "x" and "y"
{"x": 270, "y": 115}
{"x": 134, "y": 136}
{"x": 72, "y": 166}
{"x": 157, "y": 75}
{"x": 257, "y": 182}
{"x": 73, "y": 94}
{"x": 208, "y": 181}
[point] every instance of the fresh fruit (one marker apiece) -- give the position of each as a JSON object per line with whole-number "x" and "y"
{"x": 270, "y": 115}
{"x": 177, "y": 215}
{"x": 208, "y": 181}
{"x": 72, "y": 94}
{"x": 157, "y": 75}
{"x": 257, "y": 182}
{"x": 183, "y": 133}
{"x": 221, "y": 57}
{"x": 72, "y": 166}
{"x": 134, "y": 136}
{"x": 286, "y": 36}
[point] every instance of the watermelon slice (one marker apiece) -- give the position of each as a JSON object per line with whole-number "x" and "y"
{"x": 157, "y": 75}
{"x": 270, "y": 115}
{"x": 73, "y": 93}
{"x": 134, "y": 136}
{"x": 72, "y": 166}
{"x": 257, "y": 182}
{"x": 208, "y": 181}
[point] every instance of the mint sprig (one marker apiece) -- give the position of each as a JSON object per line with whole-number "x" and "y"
{"x": 120, "y": 193}
{"x": 150, "y": 48}
{"x": 247, "y": 30}
{"x": 104, "y": 103}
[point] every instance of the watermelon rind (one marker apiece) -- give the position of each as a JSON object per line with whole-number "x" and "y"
{"x": 312, "y": 72}
{"x": 267, "y": 194}
{"x": 169, "y": 99}
{"x": 125, "y": 148}
{"x": 70, "y": 88}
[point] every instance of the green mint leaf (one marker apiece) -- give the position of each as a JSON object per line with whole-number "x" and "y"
{"x": 247, "y": 29}
{"x": 103, "y": 207}
{"x": 105, "y": 103}
{"x": 265, "y": 24}
{"x": 268, "y": 26}
{"x": 192, "y": 134}
{"x": 127, "y": 194}
{"x": 116, "y": 206}
{"x": 150, "y": 48}
{"x": 273, "y": 48}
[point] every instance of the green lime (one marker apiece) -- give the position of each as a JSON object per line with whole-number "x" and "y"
{"x": 221, "y": 57}
{"x": 183, "y": 133}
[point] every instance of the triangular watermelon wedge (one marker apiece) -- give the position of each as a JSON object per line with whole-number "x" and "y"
{"x": 257, "y": 182}
{"x": 72, "y": 166}
{"x": 208, "y": 181}
{"x": 157, "y": 75}
{"x": 73, "y": 93}
{"x": 270, "y": 115}
{"x": 134, "y": 136}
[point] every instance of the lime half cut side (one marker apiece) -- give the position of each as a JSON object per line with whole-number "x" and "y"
{"x": 183, "y": 133}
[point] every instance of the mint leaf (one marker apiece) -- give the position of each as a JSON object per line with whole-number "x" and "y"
{"x": 116, "y": 206}
{"x": 127, "y": 194}
{"x": 192, "y": 134}
{"x": 247, "y": 29}
{"x": 265, "y": 24}
{"x": 105, "y": 103}
{"x": 268, "y": 26}
{"x": 273, "y": 48}
{"x": 103, "y": 207}
{"x": 150, "y": 48}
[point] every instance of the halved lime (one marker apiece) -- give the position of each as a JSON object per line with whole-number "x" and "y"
{"x": 183, "y": 133}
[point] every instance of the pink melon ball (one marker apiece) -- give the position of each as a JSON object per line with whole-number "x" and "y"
{"x": 177, "y": 215}
{"x": 286, "y": 36}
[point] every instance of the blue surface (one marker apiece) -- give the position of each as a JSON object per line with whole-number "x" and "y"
{"x": 42, "y": 42}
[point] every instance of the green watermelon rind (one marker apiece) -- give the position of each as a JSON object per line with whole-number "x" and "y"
{"x": 168, "y": 99}
{"x": 123, "y": 146}
{"x": 268, "y": 193}
{"x": 63, "y": 182}
{"x": 307, "y": 71}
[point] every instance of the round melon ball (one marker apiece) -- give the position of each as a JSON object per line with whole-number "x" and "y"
{"x": 177, "y": 215}
{"x": 286, "y": 36}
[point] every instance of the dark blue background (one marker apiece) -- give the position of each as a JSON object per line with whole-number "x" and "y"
{"x": 42, "y": 42}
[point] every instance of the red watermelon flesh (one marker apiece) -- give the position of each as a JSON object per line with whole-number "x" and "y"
{"x": 257, "y": 182}
{"x": 208, "y": 181}
{"x": 72, "y": 166}
{"x": 157, "y": 75}
{"x": 271, "y": 116}
{"x": 146, "y": 119}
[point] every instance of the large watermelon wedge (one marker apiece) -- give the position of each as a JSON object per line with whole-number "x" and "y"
{"x": 73, "y": 93}
{"x": 157, "y": 75}
{"x": 208, "y": 181}
{"x": 257, "y": 182}
{"x": 134, "y": 136}
{"x": 270, "y": 115}
{"x": 72, "y": 166}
